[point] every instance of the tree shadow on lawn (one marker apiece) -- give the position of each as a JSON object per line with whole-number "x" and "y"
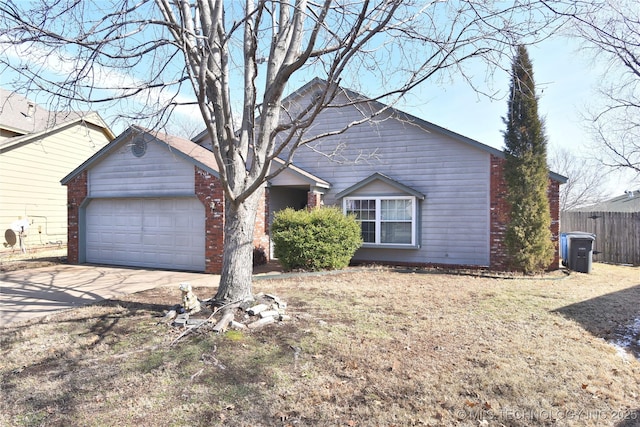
{"x": 631, "y": 419}
{"x": 78, "y": 375}
{"x": 101, "y": 327}
{"x": 103, "y": 323}
{"x": 614, "y": 317}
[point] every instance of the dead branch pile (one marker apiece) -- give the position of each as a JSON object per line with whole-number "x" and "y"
{"x": 264, "y": 310}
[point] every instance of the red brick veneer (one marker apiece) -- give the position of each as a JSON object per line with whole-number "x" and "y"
{"x": 209, "y": 191}
{"x": 76, "y": 194}
{"x": 499, "y": 213}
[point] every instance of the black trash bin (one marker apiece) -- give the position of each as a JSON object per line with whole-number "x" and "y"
{"x": 577, "y": 250}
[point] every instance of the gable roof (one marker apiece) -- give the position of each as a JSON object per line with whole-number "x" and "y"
{"x": 629, "y": 202}
{"x": 309, "y": 178}
{"x": 428, "y": 126}
{"x": 181, "y": 147}
{"x": 383, "y": 178}
{"x": 22, "y": 116}
{"x": 30, "y": 122}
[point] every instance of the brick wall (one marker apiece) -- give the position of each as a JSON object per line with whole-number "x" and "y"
{"x": 500, "y": 216}
{"x": 261, "y": 230}
{"x": 553, "y": 193}
{"x": 209, "y": 191}
{"x": 314, "y": 199}
{"x": 76, "y": 194}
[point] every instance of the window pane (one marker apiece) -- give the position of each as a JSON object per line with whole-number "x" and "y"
{"x": 364, "y": 210}
{"x": 396, "y": 210}
{"x": 396, "y": 232}
{"x": 368, "y": 232}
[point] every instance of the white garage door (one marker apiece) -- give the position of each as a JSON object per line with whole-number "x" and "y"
{"x": 156, "y": 233}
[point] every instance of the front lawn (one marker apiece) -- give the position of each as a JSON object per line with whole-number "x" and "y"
{"x": 363, "y": 348}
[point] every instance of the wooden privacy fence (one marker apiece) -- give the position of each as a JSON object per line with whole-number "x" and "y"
{"x": 617, "y": 234}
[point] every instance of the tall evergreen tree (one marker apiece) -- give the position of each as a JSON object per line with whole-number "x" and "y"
{"x": 528, "y": 234}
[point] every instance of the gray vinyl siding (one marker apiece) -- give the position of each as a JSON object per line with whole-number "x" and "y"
{"x": 454, "y": 177}
{"x": 30, "y": 179}
{"x": 377, "y": 188}
{"x": 155, "y": 174}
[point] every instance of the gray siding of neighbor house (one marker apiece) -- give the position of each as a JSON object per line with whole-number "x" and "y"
{"x": 155, "y": 174}
{"x": 454, "y": 177}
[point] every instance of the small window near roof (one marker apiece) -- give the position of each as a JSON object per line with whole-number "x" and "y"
{"x": 385, "y": 221}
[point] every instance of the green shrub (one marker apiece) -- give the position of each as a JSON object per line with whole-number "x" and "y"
{"x": 319, "y": 239}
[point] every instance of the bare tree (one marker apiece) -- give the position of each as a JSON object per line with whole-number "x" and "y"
{"x": 234, "y": 60}
{"x": 587, "y": 181}
{"x": 187, "y": 128}
{"x": 610, "y": 29}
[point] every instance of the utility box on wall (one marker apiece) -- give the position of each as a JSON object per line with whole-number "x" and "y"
{"x": 576, "y": 250}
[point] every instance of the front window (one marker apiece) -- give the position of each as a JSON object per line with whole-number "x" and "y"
{"x": 384, "y": 220}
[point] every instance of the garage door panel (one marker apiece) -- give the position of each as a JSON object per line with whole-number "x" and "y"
{"x": 182, "y": 241}
{"x": 122, "y": 239}
{"x": 124, "y": 219}
{"x": 157, "y": 233}
{"x": 167, "y": 222}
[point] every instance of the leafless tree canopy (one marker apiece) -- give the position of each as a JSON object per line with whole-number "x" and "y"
{"x": 587, "y": 181}
{"x": 235, "y": 60}
{"x": 610, "y": 29}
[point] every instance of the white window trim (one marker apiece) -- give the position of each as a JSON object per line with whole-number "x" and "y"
{"x": 378, "y": 220}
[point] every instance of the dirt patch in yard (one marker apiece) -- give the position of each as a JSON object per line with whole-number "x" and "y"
{"x": 365, "y": 347}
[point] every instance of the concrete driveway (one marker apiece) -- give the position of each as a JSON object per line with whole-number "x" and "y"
{"x": 31, "y": 293}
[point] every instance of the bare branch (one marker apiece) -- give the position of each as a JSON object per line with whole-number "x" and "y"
{"x": 611, "y": 30}
{"x": 586, "y": 184}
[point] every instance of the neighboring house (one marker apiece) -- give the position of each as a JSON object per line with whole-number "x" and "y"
{"x": 38, "y": 148}
{"x": 616, "y": 225}
{"x": 424, "y": 195}
{"x": 628, "y": 202}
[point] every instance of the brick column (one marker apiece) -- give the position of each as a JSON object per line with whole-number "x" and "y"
{"x": 314, "y": 199}
{"x": 261, "y": 240}
{"x": 209, "y": 191}
{"x": 553, "y": 193}
{"x": 499, "y": 215}
{"x": 76, "y": 194}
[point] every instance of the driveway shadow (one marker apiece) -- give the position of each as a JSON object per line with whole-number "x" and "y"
{"x": 38, "y": 292}
{"x": 615, "y": 317}
{"x": 25, "y": 294}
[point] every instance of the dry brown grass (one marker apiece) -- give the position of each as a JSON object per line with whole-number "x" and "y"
{"x": 364, "y": 348}
{"x": 37, "y": 256}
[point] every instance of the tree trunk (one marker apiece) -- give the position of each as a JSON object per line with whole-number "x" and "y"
{"x": 237, "y": 261}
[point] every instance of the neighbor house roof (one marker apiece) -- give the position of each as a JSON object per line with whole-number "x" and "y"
{"x": 183, "y": 148}
{"x": 20, "y": 115}
{"x": 629, "y": 202}
{"x": 26, "y": 121}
